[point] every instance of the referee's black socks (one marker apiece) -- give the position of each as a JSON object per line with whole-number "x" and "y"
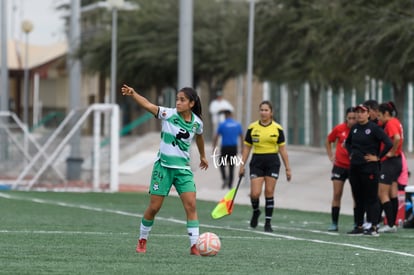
{"x": 269, "y": 206}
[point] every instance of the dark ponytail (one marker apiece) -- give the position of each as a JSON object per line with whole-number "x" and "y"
{"x": 191, "y": 94}
{"x": 388, "y": 107}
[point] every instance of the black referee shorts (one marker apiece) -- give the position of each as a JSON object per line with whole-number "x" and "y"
{"x": 263, "y": 165}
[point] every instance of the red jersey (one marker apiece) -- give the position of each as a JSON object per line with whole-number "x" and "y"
{"x": 393, "y": 127}
{"x": 339, "y": 134}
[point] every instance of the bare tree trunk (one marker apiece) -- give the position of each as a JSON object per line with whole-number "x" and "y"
{"x": 102, "y": 88}
{"x": 400, "y": 97}
{"x": 295, "y": 119}
{"x": 316, "y": 116}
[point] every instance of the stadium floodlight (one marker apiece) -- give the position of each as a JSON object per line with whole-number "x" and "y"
{"x": 114, "y": 6}
{"x": 27, "y": 27}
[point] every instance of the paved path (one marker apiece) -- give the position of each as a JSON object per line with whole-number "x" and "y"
{"x": 310, "y": 188}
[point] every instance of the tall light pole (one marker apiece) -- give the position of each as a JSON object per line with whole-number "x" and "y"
{"x": 114, "y": 6}
{"x": 250, "y": 63}
{"x": 74, "y": 161}
{"x": 4, "y": 93}
{"x": 4, "y": 80}
{"x": 27, "y": 27}
{"x": 185, "y": 48}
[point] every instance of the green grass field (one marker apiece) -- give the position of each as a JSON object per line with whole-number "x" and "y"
{"x": 96, "y": 233}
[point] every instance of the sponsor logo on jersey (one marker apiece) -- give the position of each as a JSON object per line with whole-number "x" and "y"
{"x": 195, "y": 126}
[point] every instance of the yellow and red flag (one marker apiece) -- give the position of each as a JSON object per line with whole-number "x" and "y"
{"x": 225, "y": 206}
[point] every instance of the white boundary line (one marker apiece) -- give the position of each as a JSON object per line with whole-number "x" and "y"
{"x": 58, "y": 232}
{"x": 118, "y": 212}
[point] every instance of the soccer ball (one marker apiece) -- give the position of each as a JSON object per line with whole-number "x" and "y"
{"x": 208, "y": 244}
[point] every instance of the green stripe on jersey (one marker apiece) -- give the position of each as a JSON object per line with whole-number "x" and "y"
{"x": 176, "y": 137}
{"x": 174, "y": 161}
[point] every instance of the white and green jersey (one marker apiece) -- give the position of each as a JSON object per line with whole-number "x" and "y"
{"x": 176, "y": 137}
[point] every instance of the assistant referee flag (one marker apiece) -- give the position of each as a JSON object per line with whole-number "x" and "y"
{"x": 225, "y": 206}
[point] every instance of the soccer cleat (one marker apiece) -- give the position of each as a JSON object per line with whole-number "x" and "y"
{"x": 255, "y": 217}
{"x": 333, "y": 227}
{"x": 387, "y": 229}
{"x": 141, "y": 246}
{"x": 366, "y": 225}
{"x": 268, "y": 227}
{"x": 371, "y": 232}
{"x": 194, "y": 250}
{"x": 357, "y": 231}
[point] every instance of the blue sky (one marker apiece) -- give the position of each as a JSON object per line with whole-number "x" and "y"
{"x": 48, "y": 27}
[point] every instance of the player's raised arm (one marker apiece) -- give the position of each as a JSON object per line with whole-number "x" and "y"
{"x": 142, "y": 101}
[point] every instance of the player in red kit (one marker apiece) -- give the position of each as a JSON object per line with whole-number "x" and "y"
{"x": 340, "y": 160}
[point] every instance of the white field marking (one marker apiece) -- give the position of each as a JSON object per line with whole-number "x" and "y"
{"x": 205, "y": 225}
{"x": 4, "y": 195}
{"x": 220, "y": 237}
{"x": 59, "y": 232}
{"x": 302, "y": 229}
